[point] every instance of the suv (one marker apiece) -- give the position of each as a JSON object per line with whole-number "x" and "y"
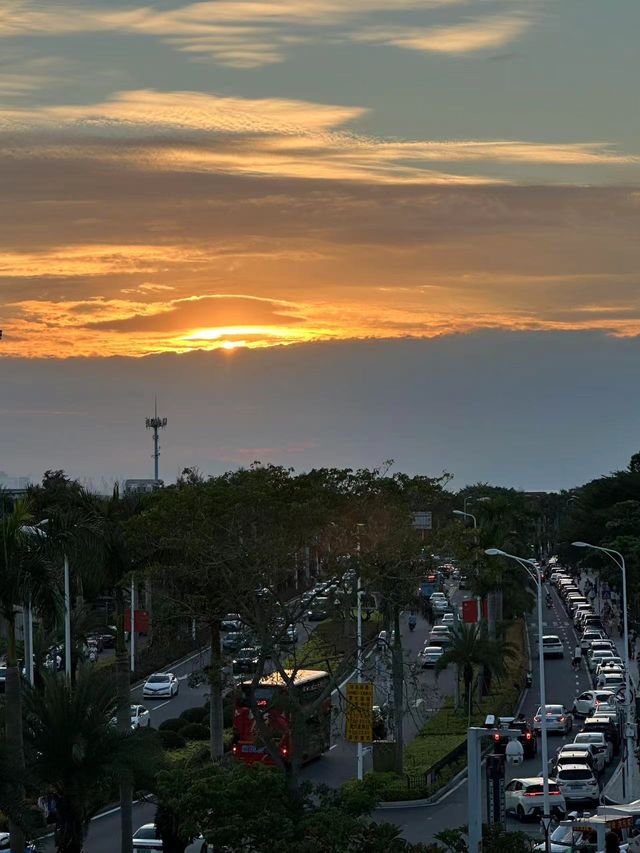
{"x": 578, "y": 783}
{"x": 572, "y": 754}
{"x": 525, "y": 798}
{"x": 527, "y": 738}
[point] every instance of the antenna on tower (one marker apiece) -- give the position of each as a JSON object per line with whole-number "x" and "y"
{"x": 155, "y": 423}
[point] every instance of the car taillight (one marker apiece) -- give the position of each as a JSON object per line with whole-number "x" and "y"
{"x": 496, "y": 737}
{"x": 528, "y": 736}
{"x": 561, "y": 719}
{"x": 284, "y": 750}
{"x": 234, "y": 749}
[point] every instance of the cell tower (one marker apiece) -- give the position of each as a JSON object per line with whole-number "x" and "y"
{"x": 155, "y": 423}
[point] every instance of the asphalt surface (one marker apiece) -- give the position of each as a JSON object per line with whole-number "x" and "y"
{"x": 562, "y": 686}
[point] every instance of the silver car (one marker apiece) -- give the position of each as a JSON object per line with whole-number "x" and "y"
{"x": 558, "y": 719}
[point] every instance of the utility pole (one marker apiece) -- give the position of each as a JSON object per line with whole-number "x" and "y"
{"x": 155, "y": 423}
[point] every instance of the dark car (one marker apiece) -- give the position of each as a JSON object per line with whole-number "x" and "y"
{"x": 463, "y": 583}
{"x": 234, "y": 641}
{"x": 3, "y": 678}
{"x": 231, "y": 622}
{"x": 319, "y": 610}
{"x": 246, "y": 661}
{"x": 528, "y": 737}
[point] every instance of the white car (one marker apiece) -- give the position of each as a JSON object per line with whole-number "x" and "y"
{"x": 147, "y": 838}
{"x": 524, "y": 797}
{"x": 589, "y": 635}
{"x": 577, "y": 783}
{"x": 599, "y": 740}
{"x": 598, "y": 656}
{"x": 161, "y": 684}
{"x": 140, "y": 716}
{"x": 586, "y": 703}
{"x": 430, "y": 656}
{"x": 448, "y": 619}
{"x": 552, "y": 646}
{"x": 612, "y": 680}
{"x": 558, "y": 719}
{"x": 609, "y": 665}
{"x": 576, "y": 750}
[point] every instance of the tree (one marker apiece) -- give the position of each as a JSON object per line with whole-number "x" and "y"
{"x": 471, "y": 649}
{"x": 25, "y": 575}
{"x": 77, "y": 753}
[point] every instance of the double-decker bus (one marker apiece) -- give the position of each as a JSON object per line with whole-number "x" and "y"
{"x": 271, "y": 698}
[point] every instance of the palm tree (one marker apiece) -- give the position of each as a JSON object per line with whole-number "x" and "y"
{"x": 76, "y": 753}
{"x": 25, "y": 574}
{"x": 471, "y": 648}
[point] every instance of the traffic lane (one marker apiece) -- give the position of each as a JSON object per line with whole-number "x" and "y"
{"x": 104, "y": 829}
{"x": 189, "y": 697}
{"x": 423, "y": 823}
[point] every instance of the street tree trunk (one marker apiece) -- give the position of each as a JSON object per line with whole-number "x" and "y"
{"x": 13, "y": 728}
{"x": 123, "y": 716}
{"x": 398, "y": 692}
{"x": 216, "y": 718}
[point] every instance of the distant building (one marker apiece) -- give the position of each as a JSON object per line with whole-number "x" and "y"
{"x": 143, "y": 485}
{"x": 14, "y": 483}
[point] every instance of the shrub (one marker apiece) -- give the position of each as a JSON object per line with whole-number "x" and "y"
{"x": 195, "y": 715}
{"x": 174, "y": 724}
{"x": 194, "y": 731}
{"x": 172, "y": 740}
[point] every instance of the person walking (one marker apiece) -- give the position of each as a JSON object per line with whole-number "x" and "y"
{"x": 611, "y": 843}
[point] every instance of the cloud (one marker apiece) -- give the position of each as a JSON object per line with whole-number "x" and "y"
{"x": 238, "y": 33}
{"x": 196, "y": 132}
{"x": 489, "y": 33}
{"x": 182, "y": 316}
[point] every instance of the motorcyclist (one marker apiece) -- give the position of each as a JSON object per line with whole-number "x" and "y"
{"x": 412, "y": 621}
{"x": 549, "y": 600}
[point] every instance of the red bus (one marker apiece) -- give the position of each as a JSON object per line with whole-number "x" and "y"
{"x": 270, "y": 695}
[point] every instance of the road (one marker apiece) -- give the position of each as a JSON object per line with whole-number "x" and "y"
{"x": 423, "y": 693}
{"x": 562, "y": 684}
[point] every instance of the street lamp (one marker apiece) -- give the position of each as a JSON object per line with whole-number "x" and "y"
{"x": 534, "y": 573}
{"x": 460, "y": 512}
{"x": 618, "y": 559}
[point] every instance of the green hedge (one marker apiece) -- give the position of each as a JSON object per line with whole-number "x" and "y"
{"x": 332, "y": 645}
{"x": 446, "y": 730}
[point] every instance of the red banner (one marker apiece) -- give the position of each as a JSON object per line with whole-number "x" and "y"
{"x": 141, "y": 619}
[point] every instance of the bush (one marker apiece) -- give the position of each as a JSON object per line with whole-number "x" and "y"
{"x": 174, "y": 724}
{"x": 172, "y": 740}
{"x": 195, "y": 715}
{"x": 194, "y": 731}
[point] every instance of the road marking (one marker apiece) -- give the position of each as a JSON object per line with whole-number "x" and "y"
{"x": 161, "y": 705}
{"x": 332, "y": 747}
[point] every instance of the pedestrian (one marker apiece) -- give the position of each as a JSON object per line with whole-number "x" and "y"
{"x": 632, "y": 649}
{"x": 621, "y": 628}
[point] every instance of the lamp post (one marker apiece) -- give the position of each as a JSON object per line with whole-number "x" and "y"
{"x": 618, "y": 559}
{"x": 461, "y": 513}
{"x": 528, "y": 566}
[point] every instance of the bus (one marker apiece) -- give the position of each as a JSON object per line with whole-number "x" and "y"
{"x": 270, "y": 695}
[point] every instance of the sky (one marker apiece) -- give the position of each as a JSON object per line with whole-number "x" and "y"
{"x": 324, "y": 233}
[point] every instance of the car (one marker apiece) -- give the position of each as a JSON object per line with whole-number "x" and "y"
{"x": 319, "y": 609}
{"x": 3, "y": 678}
{"x": 589, "y": 635}
{"x": 599, "y": 741}
{"x": 605, "y": 725}
{"x": 234, "y": 641}
{"x": 161, "y": 684}
{"x": 147, "y": 838}
{"x": 288, "y": 637}
{"x": 594, "y": 658}
{"x": 441, "y": 628}
{"x": 613, "y": 680}
{"x": 463, "y": 582}
{"x": 524, "y": 798}
{"x": 246, "y": 660}
{"x": 578, "y": 783}
{"x": 598, "y": 756}
{"x": 572, "y": 753}
{"x": 439, "y": 639}
{"x": 552, "y": 646}
{"x": 430, "y": 656}
{"x": 586, "y": 703}
{"x": 140, "y": 717}
{"x": 558, "y": 719}
{"x": 527, "y": 737}
{"x": 614, "y": 664}
{"x": 448, "y": 619}
{"x": 5, "y": 843}
{"x": 231, "y": 622}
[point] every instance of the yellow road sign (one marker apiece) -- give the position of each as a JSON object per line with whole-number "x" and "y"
{"x": 360, "y": 712}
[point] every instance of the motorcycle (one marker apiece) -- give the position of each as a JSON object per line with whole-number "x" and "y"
{"x": 549, "y": 601}
{"x": 412, "y": 622}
